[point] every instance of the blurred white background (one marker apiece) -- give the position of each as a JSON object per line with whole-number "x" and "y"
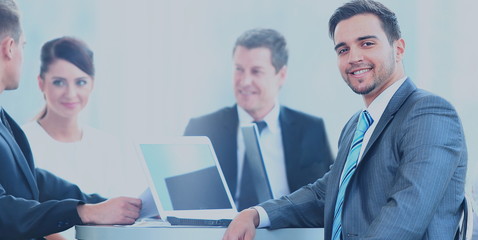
{"x": 162, "y": 62}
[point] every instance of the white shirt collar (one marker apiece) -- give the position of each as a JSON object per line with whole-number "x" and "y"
{"x": 377, "y": 107}
{"x": 272, "y": 118}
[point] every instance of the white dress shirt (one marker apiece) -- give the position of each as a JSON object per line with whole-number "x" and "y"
{"x": 376, "y": 109}
{"x": 272, "y": 151}
{"x": 98, "y": 163}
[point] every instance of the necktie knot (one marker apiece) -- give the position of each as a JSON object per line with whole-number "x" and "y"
{"x": 261, "y": 125}
{"x": 364, "y": 122}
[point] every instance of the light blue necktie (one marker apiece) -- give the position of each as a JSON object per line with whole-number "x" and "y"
{"x": 348, "y": 171}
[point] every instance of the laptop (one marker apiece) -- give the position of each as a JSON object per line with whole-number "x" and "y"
{"x": 256, "y": 161}
{"x": 186, "y": 181}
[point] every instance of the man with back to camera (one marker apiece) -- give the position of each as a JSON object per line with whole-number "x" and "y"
{"x": 294, "y": 144}
{"x": 401, "y": 164}
{"x": 33, "y": 202}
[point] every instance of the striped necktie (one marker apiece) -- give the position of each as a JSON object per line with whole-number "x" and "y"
{"x": 349, "y": 169}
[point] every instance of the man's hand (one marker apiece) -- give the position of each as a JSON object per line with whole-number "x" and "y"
{"x": 55, "y": 236}
{"x": 121, "y": 210}
{"x": 243, "y": 227}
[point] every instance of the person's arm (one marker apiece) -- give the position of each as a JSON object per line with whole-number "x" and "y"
{"x": 243, "y": 227}
{"x": 302, "y": 208}
{"x": 121, "y": 210}
{"x": 283, "y": 212}
{"x": 24, "y": 219}
{"x": 431, "y": 171}
{"x": 264, "y": 221}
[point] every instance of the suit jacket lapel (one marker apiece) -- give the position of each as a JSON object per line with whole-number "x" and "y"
{"x": 346, "y": 142}
{"x": 21, "y": 152}
{"x": 393, "y": 106}
{"x": 336, "y": 171}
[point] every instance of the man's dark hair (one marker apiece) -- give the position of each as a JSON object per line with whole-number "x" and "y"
{"x": 388, "y": 19}
{"x": 268, "y": 38}
{"x": 9, "y": 20}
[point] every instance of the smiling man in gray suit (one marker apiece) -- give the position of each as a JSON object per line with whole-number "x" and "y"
{"x": 401, "y": 165}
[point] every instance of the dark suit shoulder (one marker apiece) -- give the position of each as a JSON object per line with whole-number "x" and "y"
{"x": 209, "y": 123}
{"x": 291, "y": 115}
{"x": 217, "y": 115}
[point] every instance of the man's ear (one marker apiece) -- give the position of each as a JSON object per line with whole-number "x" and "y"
{"x": 282, "y": 75}
{"x": 6, "y": 47}
{"x": 399, "y": 49}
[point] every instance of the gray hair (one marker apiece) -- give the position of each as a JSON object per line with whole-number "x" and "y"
{"x": 268, "y": 38}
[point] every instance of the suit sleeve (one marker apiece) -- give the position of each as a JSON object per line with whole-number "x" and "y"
{"x": 431, "y": 152}
{"x": 302, "y": 208}
{"x": 23, "y": 219}
{"x": 56, "y": 210}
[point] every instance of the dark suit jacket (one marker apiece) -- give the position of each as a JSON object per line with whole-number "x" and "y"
{"x": 409, "y": 183}
{"x": 306, "y": 148}
{"x": 33, "y": 202}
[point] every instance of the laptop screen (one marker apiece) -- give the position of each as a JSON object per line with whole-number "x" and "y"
{"x": 184, "y": 176}
{"x": 256, "y": 162}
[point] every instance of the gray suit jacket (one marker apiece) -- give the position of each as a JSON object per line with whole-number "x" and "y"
{"x": 408, "y": 185}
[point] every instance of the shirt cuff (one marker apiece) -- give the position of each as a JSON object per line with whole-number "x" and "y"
{"x": 264, "y": 220}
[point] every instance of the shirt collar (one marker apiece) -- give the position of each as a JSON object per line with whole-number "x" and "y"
{"x": 377, "y": 107}
{"x": 272, "y": 118}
